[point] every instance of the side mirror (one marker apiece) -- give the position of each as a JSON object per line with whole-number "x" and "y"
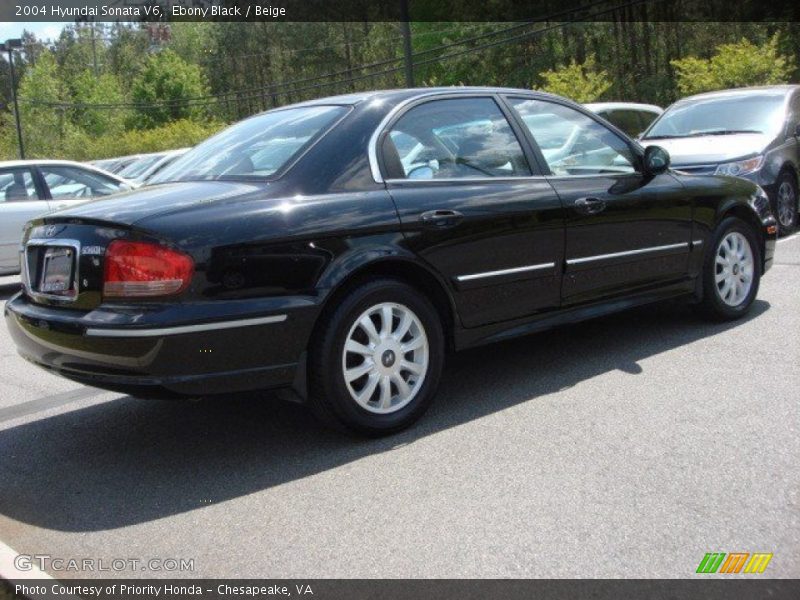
{"x": 656, "y": 160}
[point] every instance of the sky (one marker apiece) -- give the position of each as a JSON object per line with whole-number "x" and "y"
{"x": 43, "y": 30}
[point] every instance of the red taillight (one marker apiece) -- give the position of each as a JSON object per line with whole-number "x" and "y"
{"x": 138, "y": 269}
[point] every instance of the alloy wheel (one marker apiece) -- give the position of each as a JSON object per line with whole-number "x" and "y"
{"x": 734, "y": 266}
{"x": 385, "y": 358}
{"x": 787, "y": 204}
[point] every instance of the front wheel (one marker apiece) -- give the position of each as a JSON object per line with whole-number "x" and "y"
{"x": 377, "y": 359}
{"x": 731, "y": 271}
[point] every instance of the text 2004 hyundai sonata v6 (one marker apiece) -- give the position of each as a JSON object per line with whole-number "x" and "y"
{"x": 340, "y": 247}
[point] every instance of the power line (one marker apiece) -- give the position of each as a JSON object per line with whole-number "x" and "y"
{"x": 281, "y": 89}
{"x": 271, "y": 90}
{"x": 353, "y": 43}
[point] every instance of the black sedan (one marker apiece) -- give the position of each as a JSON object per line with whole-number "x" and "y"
{"x": 339, "y": 248}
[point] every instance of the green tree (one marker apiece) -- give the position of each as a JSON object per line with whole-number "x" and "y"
{"x": 165, "y": 88}
{"x": 580, "y": 81}
{"x": 44, "y": 123}
{"x": 91, "y": 90}
{"x": 734, "y": 65}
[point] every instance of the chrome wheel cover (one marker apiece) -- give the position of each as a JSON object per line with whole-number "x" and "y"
{"x": 733, "y": 268}
{"x": 385, "y": 358}
{"x": 787, "y": 204}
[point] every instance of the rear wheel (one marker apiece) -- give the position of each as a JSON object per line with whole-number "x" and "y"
{"x": 731, "y": 271}
{"x": 786, "y": 202}
{"x": 376, "y": 362}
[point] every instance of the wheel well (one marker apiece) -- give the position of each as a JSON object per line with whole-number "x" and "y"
{"x": 406, "y": 271}
{"x": 745, "y": 214}
{"x": 788, "y": 168}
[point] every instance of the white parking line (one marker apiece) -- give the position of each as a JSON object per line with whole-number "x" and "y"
{"x": 47, "y": 402}
{"x": 789, "y": 237}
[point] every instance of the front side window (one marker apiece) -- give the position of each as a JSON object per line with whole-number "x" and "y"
{"x": 72, "y": 182}
{"x": 16, "y": 185}
{"x": 453, "y": 138}
{"x": 573, "y": 143}
{"x": 254, "y": 149}
{"x": 721, "y": 115}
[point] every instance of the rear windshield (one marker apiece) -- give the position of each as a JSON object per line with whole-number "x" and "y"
{"x": 253, "y": 149}
{"x": 762, "y": 113}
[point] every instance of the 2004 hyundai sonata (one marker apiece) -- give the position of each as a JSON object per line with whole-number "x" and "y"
{"x": 340, "y": 247}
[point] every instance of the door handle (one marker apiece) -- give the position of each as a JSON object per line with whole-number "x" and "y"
{"x": 441, "y": 218}
{"x": 590, "y": 206}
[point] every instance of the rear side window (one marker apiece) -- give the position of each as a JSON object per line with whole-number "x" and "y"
{"x": 453, "y": 138}
{"x": 16, "y": 185}
{"x": 253, "y": 149}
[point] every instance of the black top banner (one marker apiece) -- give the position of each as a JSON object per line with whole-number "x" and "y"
{"x": 398, "y": 10}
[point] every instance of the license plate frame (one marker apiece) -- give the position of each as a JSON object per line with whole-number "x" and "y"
{"x": 58, "y": 272}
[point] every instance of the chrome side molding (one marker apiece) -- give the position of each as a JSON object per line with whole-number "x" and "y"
{"x": 586, "y": 259}
{"x": 524, "y": 269}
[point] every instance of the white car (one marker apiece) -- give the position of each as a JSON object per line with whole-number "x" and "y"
{"x": 30, "y": 188}
{"x": 141, "y": 170}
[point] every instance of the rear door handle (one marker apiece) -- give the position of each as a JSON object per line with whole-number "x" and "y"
{"x": 441, "y": 218}
{"x": 590, "y": 206}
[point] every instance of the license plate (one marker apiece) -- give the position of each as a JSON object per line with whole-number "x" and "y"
{"x": 57, "y": 270}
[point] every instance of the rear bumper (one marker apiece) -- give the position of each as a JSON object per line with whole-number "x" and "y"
{"x": 145, "y": 352}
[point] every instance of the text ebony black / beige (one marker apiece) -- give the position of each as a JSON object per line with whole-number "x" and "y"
{"x": 339, "y": 248}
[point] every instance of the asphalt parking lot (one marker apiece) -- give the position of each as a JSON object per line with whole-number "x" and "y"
{"x": 624, "y": 447}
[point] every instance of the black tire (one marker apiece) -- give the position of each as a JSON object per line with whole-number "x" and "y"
{"x": 713, "y": 305}
{"x": 329, "y": 396}
{"x": 785, "y": 204}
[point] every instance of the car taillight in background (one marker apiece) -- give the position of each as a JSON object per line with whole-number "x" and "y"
{"x": 142, "y": 269}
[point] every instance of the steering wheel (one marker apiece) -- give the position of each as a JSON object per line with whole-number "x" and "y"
{"x": 466, "y": 163}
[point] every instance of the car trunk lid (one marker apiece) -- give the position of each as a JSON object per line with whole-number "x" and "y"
{"x": 130, "y": 207}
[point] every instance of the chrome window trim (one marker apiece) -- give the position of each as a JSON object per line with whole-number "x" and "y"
{"x": 509, "y": 178}
{"x": 26, "y": 275}
{"x": 161, "y": 331}
{"x": 586, "y": 259}
{"x": 524, "y": 269}
{"x": 502, "y": 179}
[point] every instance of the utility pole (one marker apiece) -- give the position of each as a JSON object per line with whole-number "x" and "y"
{"x": 94, "y": 48}
{"x": 9, "y": 47}
{"x": 407, "y": 49}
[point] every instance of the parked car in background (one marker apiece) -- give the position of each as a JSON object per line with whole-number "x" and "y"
{"x": 142, "y": 170}
{"x": 748, "y": 132}
{"x": 31, "y": 188}
{"x": 115, "y": 165}
{"x": 631, "y": 117}
{"x": 301, "y": 248}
